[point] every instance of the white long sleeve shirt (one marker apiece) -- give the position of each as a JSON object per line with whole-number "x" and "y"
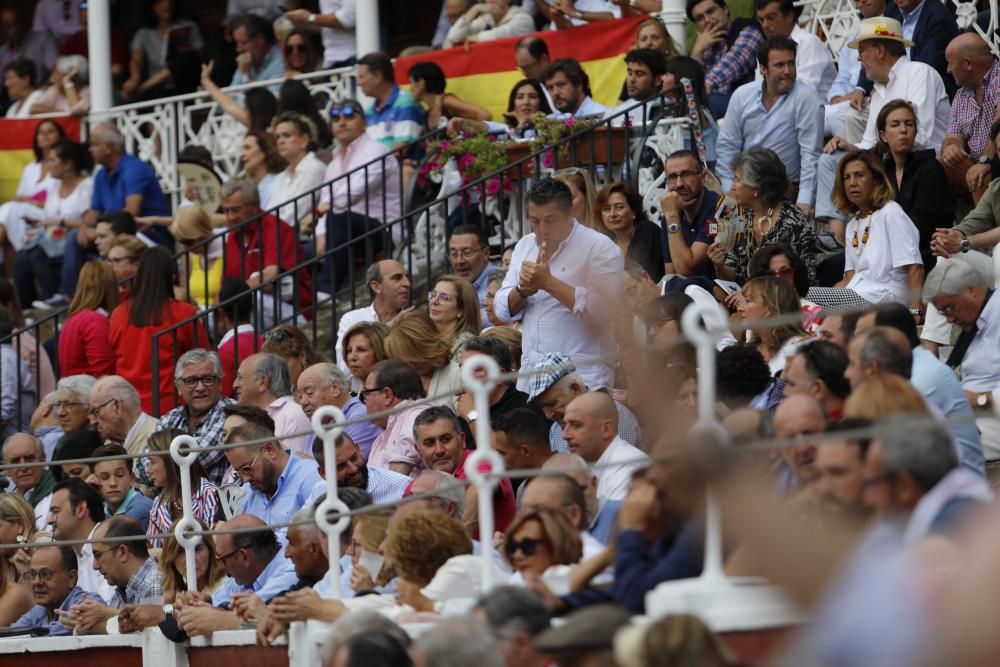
{"x": 920, "y": 85}
{"x": 592, "y": 264}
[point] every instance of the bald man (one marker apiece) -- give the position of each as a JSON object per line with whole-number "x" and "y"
{"x": 797, "y": 418}
{"x": 967, "y": 149}
{"x": 590, "y": 427}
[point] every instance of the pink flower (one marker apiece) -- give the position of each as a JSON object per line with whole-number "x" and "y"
{"x": 547, "y": 159}
{"x": 493, "y": 186}
{"x": 445, "y": 145}
{"x": 466, "y": 161}
{"x": 570, "y": 122}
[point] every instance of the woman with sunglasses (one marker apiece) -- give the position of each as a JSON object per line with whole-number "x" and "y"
{"x": 299, "y": 53}
{"x": 165, "y": 476}
{"x": 200, "y": 264}
{"x": 535, "y": 541}
{"x": 780, "y": 261}
{"x": 84, "y": 348}
{"x": 454, "y": 310}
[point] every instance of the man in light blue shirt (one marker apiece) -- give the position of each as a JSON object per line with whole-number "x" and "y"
{"x": 569, "y": 87}
{"x": 783, "y": 114}
{"x": 280, "y": 483}
{"x": 53, "y": 581}
{"x": 259, "y": 55}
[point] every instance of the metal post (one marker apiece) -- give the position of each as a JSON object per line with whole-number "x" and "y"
{"x": 98, "y": 39}
{"x": 332, "y": 503}
{"x": 675, "y": 18}
{"x": 187, "y": 522}
{"x": 366, "y": 27}
{"x": 704, "y": 338}
{"x": 484, "y": 458}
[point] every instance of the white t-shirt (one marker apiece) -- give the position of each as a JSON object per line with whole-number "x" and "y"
{"x": 590, "y": 6}
{"x": 72, "y": 207}
{"x": 893, "y": 244}
{"x": 22, "y": 109}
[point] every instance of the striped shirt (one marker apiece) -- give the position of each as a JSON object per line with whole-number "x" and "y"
{"x": 399, "y": 120}
{"x": 204, "y": 506}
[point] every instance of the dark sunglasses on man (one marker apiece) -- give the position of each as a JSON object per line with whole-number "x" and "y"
{"x": 347, "y": 111}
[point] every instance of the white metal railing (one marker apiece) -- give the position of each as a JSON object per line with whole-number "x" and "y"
{"x": 157, "y": 130}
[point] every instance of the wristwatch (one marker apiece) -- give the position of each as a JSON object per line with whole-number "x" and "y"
{"x": 472, "y": 416}
{"x": 673, "y": 228}
{"x": 524, "y": 295}
{"x": 312, "y": 18}
{"x": 964, "y": 245}
{"x": 168, "y": 609}
{"x": 982, "y": 400}
{"x": 983, "y": 159}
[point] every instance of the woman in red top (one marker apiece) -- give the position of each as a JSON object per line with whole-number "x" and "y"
{"x": 83, "y": 341}
{"x": 151, "y": 310}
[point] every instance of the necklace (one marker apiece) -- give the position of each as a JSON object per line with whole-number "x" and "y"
{"x": 758, "y": 227}
{"x": 860, "y": 247}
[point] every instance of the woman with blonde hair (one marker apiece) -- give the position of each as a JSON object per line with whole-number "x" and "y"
{"x": 419, "y": 544}
{"x": 368, "y": 533}
{"x": 584, "y": 207}
{"x": 535, "y": 541}
{"x": 673, "y": 641}
{"x": 84, "y": 348}
{"x": 164, "y": 475}
{"x": 884, "y": 395}
{"x": 173, "y": 566}
{"x": 454, "y": 310}
{"x": 291, "y": 344}
{"x": 362, "y": 347}
{"x": 765, "y": 298}
{"x": 509, "y": 335}
{"x": 15, "y": 599}
{"x": 17, "y": 526}
{"x": 200, "y": 265}
{"x": 124, "y": 255}
{"x": 415, "y": 340}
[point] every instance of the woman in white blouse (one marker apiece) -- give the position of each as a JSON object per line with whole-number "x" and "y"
{"x": 68, "y": 199}
{"x": 32, "y": 189}
{"x": 19, "y": 80}
{"x": 882, "y": 262}
{"x": 295, "y": 136}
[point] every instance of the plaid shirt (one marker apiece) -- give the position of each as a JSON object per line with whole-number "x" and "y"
{"x": 972, "y": 119}
{"x": 208, "y": 434}
{"x": 144, "y": 584}
{"x": 727, "y": 66}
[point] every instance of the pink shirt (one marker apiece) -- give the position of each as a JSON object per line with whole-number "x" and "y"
{"x": 361, "y": 151}
{"x": 396, "y": 443}
{"x": 289, "y": 418}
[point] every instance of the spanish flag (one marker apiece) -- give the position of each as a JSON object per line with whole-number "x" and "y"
{"x": 16, "y": 152}
{"x": 485, "y": 72}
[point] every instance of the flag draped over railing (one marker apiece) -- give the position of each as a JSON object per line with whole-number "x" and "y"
{"x": 16, "y": 137}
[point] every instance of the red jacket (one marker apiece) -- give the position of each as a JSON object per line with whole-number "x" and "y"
{"x": 263, "y": 243}
{"x": 84, "y": 348}
{"x": 133, "y": 348}
{"x": 233, "y": 349}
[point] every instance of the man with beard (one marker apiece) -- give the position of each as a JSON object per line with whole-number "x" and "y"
{"x": 688, "y": 216}
{"x": 441, "y": 446}
{"x": 840, "y": 467}
{"x": 279, "y": 483}
{"x": 644, "y": 70}
{"x": 569, "y": 88}
{"x": 782, "y": 114}
{"x": 384, "y": 486}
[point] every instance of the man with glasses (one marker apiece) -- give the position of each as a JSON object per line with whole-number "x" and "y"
{"x": 394, "y": 385}
{"x": 34, "y": 483}
{"x": 116, "y": 410}
{"x": 280, "y": 483}
{"x": 54, "y": 588}
{"x": 76, "y": 511}
{"x": 197, "y": 376}
{"x": 127, "y": 566}
{"x": 369, "y": 197}
{"x": 688, "y": 216}
{"x": 469, "y": 256}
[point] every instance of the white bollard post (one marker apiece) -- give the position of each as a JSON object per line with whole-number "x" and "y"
{"x": 98, "y": 39}
{"x": 674, "y": 17}
{"x": 329, "y": 435}
{"x": 484, "y": 482}
{"x": 366, "y": 27}
{"x": 188, "y": 522}
{"x": 704, "y": 338}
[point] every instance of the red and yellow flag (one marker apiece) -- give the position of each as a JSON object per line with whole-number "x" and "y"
{"x": 485, "y": 72}
{"x": 16, "y": 152}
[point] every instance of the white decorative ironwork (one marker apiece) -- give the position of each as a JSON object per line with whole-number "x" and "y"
{"x": 187, "y": 523}
{"x": 156, "y": 131}
{"x": 329, "y": 433}
{"x": 967, "y": 13}
{"x": 834, "y": 21}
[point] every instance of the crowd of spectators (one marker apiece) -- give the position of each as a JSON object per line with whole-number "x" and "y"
{"x": 821, "y": 218}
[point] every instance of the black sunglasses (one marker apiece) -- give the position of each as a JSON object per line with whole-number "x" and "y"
{"x": 528, "y": 546}
{"x": 347, "y": 111}
{"x": 363, "y": 394}
{"x": 295, "y": 48}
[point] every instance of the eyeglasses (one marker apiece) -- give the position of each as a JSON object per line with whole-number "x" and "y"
{"x": 238, "y": 473}
{"x": 440, "y": 297}
{"x": 44, "y": 575}
{"x": 782, "y": 272}
{"x": 93, "y": 412}
{"x": 277, "y": 335}
{"x": 363, "y": 394}
{"x": 464, "y": 253}
{"x": 528, "y": 546}
{"x": 949, "y": 309}
{"x": 347, "y": 111}
{"x": 295, "y": 48}
{"x": 192, "y": 382}
{"x": 98, "y": 554}
{"x": 223, "y": 557}
{"x": 66, "y": 405}
{"x": 685, "y": 175}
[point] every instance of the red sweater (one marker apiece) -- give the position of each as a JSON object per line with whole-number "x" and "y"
{"x": 84, "y": 348}
{"x": 231, "y": 361}
{"x": 133, "y": 348}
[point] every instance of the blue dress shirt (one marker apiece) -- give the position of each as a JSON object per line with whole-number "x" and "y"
{"x": 295, "y": 485}
{"x": 38, "y": 616}
{"x": 792, "y": 128}
{"x": 131, "y": 176}
{"x": 277, "y": 577}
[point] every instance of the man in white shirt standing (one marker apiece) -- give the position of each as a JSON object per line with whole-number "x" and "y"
{"x": 569, "y": 88}
{"x": 812, "y": 59}
{"x": 563, "y": 285}
{"x": 882, "y": 52}
{"x": 336, "y": 24}
{"x": 591, "y": 429}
